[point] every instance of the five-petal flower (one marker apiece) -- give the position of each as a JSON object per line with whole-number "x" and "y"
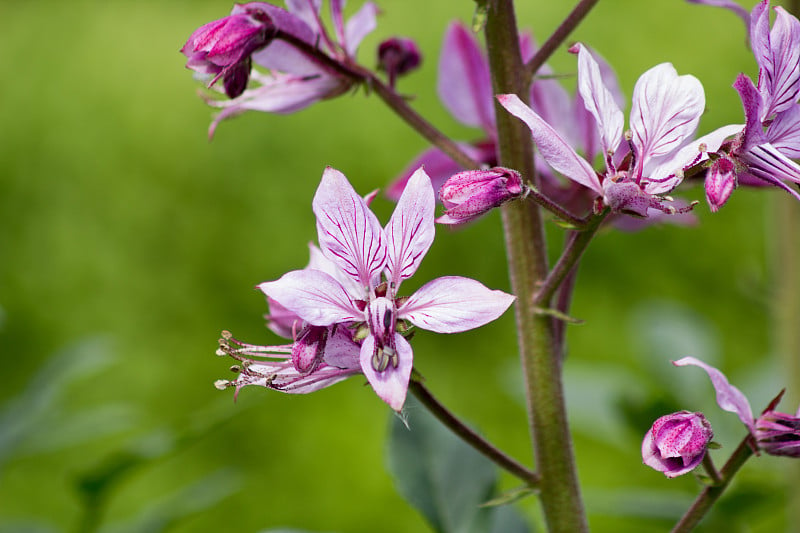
{"x": 664, "y": 116}
{"x": 374, "y": 261}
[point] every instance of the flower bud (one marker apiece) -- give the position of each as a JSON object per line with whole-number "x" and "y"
{"x": 676, "y": 443}
{"x": 778, "y": 433}
{"x": 720, "y": 182}
{"x": 467, "y": 195}
{"x": 398, "y": 56}
{"x": 223, "y": 47}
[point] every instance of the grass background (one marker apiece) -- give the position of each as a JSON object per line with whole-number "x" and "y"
{"x": 129, "y": 241}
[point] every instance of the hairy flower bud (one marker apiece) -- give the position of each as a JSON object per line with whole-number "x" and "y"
{"x": 720, "y": 182}
{"x": 398, "y": 56}
{"x": 223, "y": 47}
{"x": 677, "y": 443}
{"x": 467, "y": 195}
{"x": 778, "y": 433}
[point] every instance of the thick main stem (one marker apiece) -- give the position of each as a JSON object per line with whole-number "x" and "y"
{"x": 527, "y": 258}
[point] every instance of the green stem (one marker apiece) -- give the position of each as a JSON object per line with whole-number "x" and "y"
{"x": 397, "y": 103}
{"x": 557, "y": 38}
{"x": 471, "y": 437}
{"x": 527, "y": 257}
{"x": 711, "y": 493}
{"x": 576, "y": 245}
{"x": 400, "y": 106}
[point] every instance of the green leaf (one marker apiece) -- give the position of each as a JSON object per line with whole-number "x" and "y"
{"x": 509, "y": 497}
{"x": 444, "y": 478}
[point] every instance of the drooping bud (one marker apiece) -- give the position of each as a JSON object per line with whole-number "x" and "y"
{"x": 720, "y": 182}
{"x": 223, "y": 47}
{"x": 778, "y": 433}
{"x": 468, "y": 195}
{"x": 398, "y": 56}
{"x": 677, "y": 443}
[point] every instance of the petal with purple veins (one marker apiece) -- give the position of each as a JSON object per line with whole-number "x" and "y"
{"x": 348, "y": 231}
{"x": 390, "y": 384}
{"x": 410, "y": 231}
{"x": 314, "y": 296}
{"x": 453, "y": 304}
{"x": 553, "y": 148}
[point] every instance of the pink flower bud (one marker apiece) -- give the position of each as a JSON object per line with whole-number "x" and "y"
{"x": 778, "y": 433}
{"x": 720, "y": 182}
{"x": 398, "y": 56}
{"x": 676, "y": 443}
{"x": 467, "y": 195}
{"x": 223, "y": 47}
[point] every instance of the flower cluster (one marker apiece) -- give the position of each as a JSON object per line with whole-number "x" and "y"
{"x": 304, "y": 62}
{"x": 643, "y": 165}
{"x": 346, "y": 303}
{"x": 762, "y": 152}
{"x": 677, "y": 443}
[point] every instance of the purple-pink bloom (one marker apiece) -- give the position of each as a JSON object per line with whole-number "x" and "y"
{"x": 664, "y": 116}
{"x": 372, "y": 262}
{"x": 762, "y": 152}
{"x": 775, "y": 433}
{"x": 469, "y": 194}
{"x": 303, "y": 62}
{"x": 677, "y": 443}
{"x": 222, "y": 48}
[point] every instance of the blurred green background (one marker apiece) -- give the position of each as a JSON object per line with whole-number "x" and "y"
{"x": 129, "y": 241}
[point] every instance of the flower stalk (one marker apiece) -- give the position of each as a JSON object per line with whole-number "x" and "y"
{"x": 469, "y": 436}
{"x": 527, "y": 258}
{"x": 711, "y": 493}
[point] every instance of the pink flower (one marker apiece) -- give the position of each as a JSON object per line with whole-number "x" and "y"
{"x": 775, "y": 433}
{"x": 763, "y": 150}
{"x": 372, "y": 263}
{"x": 468, "y": 195}
{"x": 677, "y": 443}
{"x": 665, "y": 112}
{"x": 302, "y": 61}
{"x": 223, "y": 47}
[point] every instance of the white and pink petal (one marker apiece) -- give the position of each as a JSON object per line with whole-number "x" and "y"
{"x": 314, "y": 296}
{"x": 553, "y": 148}
{"x": 391, "y": 384}
{"x": 410, "y": 231}
{"x": 453, "y": 304}
{"x": 348, "y": 231}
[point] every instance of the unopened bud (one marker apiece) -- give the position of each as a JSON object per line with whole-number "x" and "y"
{"x": 398, "y": 56}
{"x": 677, "y": 443}
{"x": 778, "y": 433}
{"x": 468, "y": 195}
{"x": 720, "y": 182}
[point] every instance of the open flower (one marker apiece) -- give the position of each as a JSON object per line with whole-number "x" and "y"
{"x": 305, "y": 63}
{"x": 761, "y": 153}
{"x": 775, "y": 433}
{"x": 372, "y": 263}
{"x": 677, "y": 443}
{"x": 465, "y": 88}
{"x": 665, "y": 112}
